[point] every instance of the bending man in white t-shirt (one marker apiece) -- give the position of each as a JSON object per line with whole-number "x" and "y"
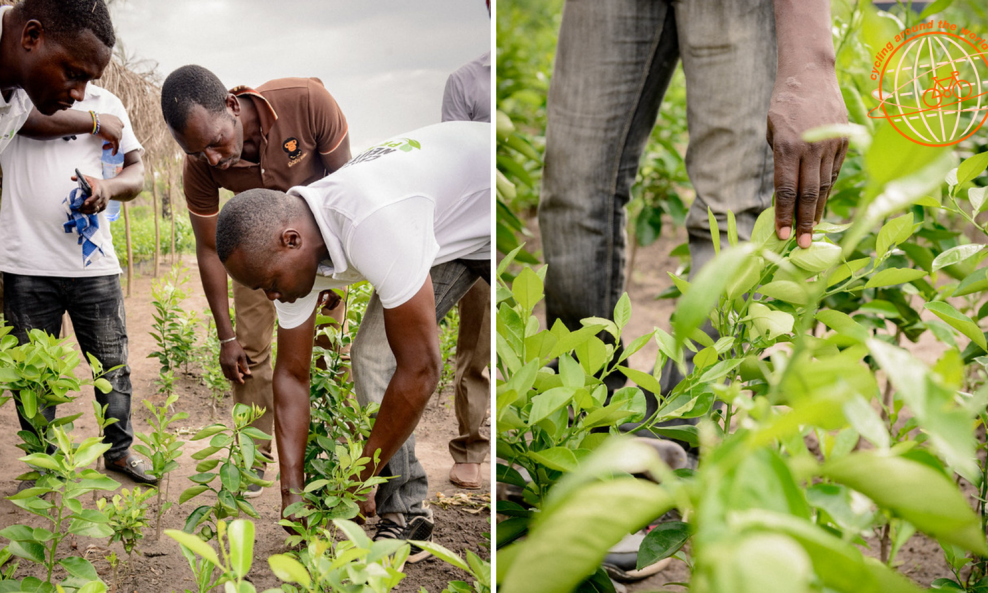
{"x": 412, "y": 217}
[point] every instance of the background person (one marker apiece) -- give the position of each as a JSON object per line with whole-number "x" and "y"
{"x": 285, "y": 133}
{"x": 468, "y": 98}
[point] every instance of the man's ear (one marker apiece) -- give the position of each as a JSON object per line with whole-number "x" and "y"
{"x": 32, "y": 36}
{"x": 291, "y": 238}
{"x": 233, "y": 104}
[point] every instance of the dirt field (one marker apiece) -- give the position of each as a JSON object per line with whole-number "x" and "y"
{"x": 920, "y": 558}
{"x": 159, "y": 566}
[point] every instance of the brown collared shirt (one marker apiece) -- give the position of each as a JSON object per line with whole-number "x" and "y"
{"x": 300, "y": 121}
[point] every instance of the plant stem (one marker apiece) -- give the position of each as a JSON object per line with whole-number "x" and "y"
{"x": 885, "y": 541}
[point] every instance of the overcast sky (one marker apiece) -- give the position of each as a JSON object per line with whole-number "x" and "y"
{"x": 385, "y": 61}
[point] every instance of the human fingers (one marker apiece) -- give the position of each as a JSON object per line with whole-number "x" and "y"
{"x": 786, "y": 185}
{"x": 809, "y": 194}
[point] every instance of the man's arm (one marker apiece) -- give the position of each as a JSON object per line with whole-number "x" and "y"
{"x": 69, "y": 122}
{"x": 233, "y": 359}
{"x": 806, "y": 95}
{"x": 414, "y": 339}
{"x": 291, "y": 406}
{"x": 124, "y": 187}
{"x": 455, "y": 106}
{"x": 339, "y": 157}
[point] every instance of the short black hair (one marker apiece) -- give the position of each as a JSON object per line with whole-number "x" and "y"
{"x": 63, "y": 19}
{"x": 189, "y": 86}
{"x": 250, "y": 221}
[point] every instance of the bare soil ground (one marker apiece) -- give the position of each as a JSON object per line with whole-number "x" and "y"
{"x": 461, "y": 517}
{"x": 920, "y": 558}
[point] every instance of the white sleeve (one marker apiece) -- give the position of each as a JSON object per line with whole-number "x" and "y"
{"x": 395, "y": 247}
{"x": 292, "y": 315}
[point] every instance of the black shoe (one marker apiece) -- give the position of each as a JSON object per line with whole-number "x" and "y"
{"x": 417, "y": 528}
{"x": 133, "y": 467}
{"x": 254, "y": 490}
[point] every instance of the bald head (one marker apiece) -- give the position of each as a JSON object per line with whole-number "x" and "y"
{"x": 253, "y": 220}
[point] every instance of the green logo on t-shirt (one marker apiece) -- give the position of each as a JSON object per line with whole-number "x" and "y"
{"x": 376, "y": 152}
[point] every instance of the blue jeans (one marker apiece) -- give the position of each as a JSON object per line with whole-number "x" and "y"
{"x": 374, "y": 364}
{"x": 96, "y": 308}
{"x": 614, "y": 61}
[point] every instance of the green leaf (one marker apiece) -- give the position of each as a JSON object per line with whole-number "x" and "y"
{"x": 972, "y": 167}
{"x": 843, "y": 324}
{"x": 527, "y": 289}
{"x": 248, "y": 448}
{"x": 208, "y": 431}
{"x": 241, "y": 535}
{"x": 289, "y": 570}
{"x": 230, "y": 477}
{"x": 975, "y": 282}
{"x": 955, "y": 255}
{"x": 191, "y": 493}
{"x": 768, "y": 323}
{"x": 93, "y": 587}
{"x": 444, "y": 554}
{"x": 958, "y": 321}
{"x": 894, "y": 232}
{"x": 893, "y": 276}
{"x": 817, "y": 257}
{"x": 103, "y": 385}
{"x": 557, "y": 458}
{"x": 196, "y": 545}
{"x": 785, "y": 290}
{"x": 706, "y": 289}
{"x": 762, "y": 562}
{"x": 914, "y": 491}
{"x": 663, "y": 541}
{"x": 614, "y": 509}
{"x": 978, "y": 196}
{"x": 622, "y": 311}
{"x": 714, "y": 230}
{"x": 28, "y": 550}
{"x": 79, "y": 568}
{"x": 642, "y": 379}
{"x": 545, "y": 404}
{"x": 934, "y": 8}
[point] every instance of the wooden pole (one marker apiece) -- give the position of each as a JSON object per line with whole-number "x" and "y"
{"x": 157, "y": 230}
{"x": 130, "y": 248}
{"x": 171, "y": 203}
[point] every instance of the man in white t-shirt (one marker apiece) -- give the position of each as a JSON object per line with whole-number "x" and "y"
{"x": 412, "y": 217}
{"x": 45, "y": 273}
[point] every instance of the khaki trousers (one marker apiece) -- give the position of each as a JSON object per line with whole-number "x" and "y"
{"x": 473, "y": 381}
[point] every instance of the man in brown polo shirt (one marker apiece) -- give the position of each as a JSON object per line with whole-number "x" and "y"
{"x": 287, "y": 132}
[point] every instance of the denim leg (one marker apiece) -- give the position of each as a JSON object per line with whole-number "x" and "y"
{"x": 96, "y": 307}
{"x": 729, "y": 59}
{"x": 32, "y": 302}
{"x": 374, "y": 364}
{"x": 614, "y": 60}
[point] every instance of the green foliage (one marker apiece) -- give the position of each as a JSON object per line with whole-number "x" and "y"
{"x": 449, "y": 330}
{"x": 61, "y": 482}
{"x": 233, "y": 451}
{"x": 174, "y": 328}
{"x": 126, "y": 515}
{"x": 39, "y": 374}
{"x": 326, "y": 565}
{"x": 162, "y": 448}
{"x": 237, "y": 552}
{"x": 142, "y": 236}
{"x": 474, "y": 565}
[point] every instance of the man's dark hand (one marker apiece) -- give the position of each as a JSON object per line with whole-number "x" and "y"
{"x": 98, "y": 199}
{"x": 110, "y": 130}
{"x": 328, "y": 300}
{"x": 368, "y": 507}
{"x": 804, "y": 172}
{"x": 234, "y": 362}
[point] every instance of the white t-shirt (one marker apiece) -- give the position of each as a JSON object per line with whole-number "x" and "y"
{"x": 398, "y": 209}
{"x": 36, "y": 178}
{"x": 13, "y": 112}
{"x": 468, "y": 92}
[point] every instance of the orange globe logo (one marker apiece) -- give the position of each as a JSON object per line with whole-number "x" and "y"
{"x": 933, "y": 89}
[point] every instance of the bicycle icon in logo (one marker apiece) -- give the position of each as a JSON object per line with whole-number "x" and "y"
{"x": 933, "y": 89}
{"x": 957, "y": 87}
